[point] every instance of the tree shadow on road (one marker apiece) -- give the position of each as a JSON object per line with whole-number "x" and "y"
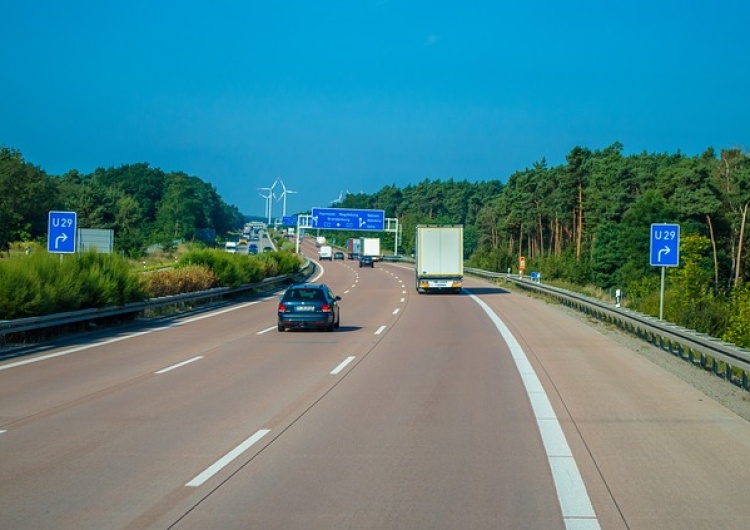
{"x": 486, "y": 290}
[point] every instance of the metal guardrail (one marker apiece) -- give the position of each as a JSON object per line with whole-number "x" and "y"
{"x": 723, "y": 359}
{"x": 19, "y": 325}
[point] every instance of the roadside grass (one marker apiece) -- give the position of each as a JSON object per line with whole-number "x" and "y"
{"x": 39, "y": 283}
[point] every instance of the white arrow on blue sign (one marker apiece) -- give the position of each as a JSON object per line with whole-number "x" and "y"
{"x": 665, "y": 245}
{"x": 348, "y": 219}
{"x": 61, "y": 232}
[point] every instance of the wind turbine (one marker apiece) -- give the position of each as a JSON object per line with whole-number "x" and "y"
{"x": 283, "y": 195}
{"x": 267, "y": 211}
{"x": 269, "y": 199}
{"x": 340, "y": 198}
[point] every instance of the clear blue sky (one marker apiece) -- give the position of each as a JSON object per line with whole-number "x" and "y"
{"x": 357, "y": 95}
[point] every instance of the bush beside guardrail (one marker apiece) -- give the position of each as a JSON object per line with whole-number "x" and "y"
{"x": 725, "y": 360}
{"x": 21, "y": 325}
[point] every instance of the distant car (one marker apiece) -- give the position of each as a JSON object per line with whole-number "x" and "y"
{"x": 366, "y": 261}
{"x": 267, "y": 249}
{"x": 309, "y": 305}
{"x": 253, "y": 248}
{"x": 338, "y": 255}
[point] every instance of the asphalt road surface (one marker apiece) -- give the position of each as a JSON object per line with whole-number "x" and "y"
{"x": 486, "y": 409}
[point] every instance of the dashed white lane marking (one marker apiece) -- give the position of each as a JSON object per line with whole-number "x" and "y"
{"x": 343, "y": 365}
{"x": 380, "y": 330}
{"x": 395, "y": 311}
{"x": 3, "y": 431}
{"x": 227, "y": 459}
{"x": 262, "y": 331}
{"x": 577, "y": 511}
{"x": 178, "y": 365}
{"x": 403, "y": 300}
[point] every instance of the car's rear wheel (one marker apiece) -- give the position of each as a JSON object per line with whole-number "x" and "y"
{"x": 281, "y": 328}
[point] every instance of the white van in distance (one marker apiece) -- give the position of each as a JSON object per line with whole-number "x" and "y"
{"x": 325, "y": 252}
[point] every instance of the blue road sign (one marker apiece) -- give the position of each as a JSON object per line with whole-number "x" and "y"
{"x": 61, "y": 232}
{"x": 348, "y": 219}
{"x": 665, "y": 245}
{"x": 289, "y": 220}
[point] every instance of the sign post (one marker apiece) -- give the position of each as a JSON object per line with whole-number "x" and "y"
{"x": 665, "y": 252}
{"x": 61, "y": 232}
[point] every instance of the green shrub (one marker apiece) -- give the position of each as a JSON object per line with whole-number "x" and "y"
{"x": 41, "y": 283}
{"x": 185, "y": 279}
{"x": 494, "y": 260}
{"x": 233, "y": 270}
{"x": 21, "y": 293}
{"x": 107, "y": 280}
{"x": 289, "y": 263}
{"x": 738, "y": 327}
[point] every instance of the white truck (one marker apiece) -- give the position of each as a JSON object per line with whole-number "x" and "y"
{"x": 439, "y": 258}
{"x": 370, "y": 246}
{"x": 325, "y": 252}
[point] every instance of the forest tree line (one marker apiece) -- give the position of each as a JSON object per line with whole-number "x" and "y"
{"x": 143, "y": 205}
{"x": 591, "y": 215}
{"x": 588, "y": 221}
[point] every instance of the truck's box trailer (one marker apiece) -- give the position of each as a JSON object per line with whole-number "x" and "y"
{"x": 370, "y": 246}
{"x": 439, "y": 258}
{"x": 353, "y": 246}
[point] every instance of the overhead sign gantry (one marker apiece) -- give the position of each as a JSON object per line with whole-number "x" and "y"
{"x": 348, "y": 219}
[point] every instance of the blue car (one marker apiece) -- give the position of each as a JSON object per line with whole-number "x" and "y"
{"x": 309, "y": 306}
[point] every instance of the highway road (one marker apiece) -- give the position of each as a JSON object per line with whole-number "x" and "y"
{"x": 486, "y": 409}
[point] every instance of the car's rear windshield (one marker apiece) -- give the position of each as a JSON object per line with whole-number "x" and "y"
{"x": 305, "y": 294}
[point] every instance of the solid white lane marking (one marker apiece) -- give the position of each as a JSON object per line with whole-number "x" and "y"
{"x": 261, "y": 332}
{"x": 76, "y": 349}
{"x": 125, "y": 337}
{"x": 178, "y": 365}
{"x": 577, "y": 511}
{"x": 221, "y": 312}
{"x": 380, "y": 330}
{"x": 320, "y": 272}
{"x": 395, "y": 311}
{"x": 227, "y": 459}
{"x": 343, "y": 365}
